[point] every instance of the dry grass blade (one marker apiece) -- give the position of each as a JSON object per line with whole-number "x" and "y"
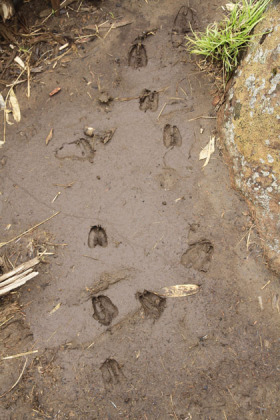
{"x": 21, "y": 268}
{"x": 19, "y": 378}
{"x": 179, "y": 290}
{"x": 18, "y": 277}
{"x": 17, "y": 283}
{"x": 49, "y": 136}
{"x": 15, "y": 356}
{"x": 28, "y": 230}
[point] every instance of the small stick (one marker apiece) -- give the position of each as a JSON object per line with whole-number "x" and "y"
{"x": 202, "y": 116}
{"x": 176, "y": 98}
{"x": 7, "y": 320}
{"x": 126, "y": 99}
{"x": 87, "y": 256}
{"x": 108, "y": 31}
{"x": 248, "y": 238}
{"x": 28, "y": 230}
{"x": 90, "y": 345}
{"x": 53, "y": 200}
{"x": 19, "y": 378}
{"x": 28, "y": 78}
{"x": 266, "y": 284}
{"x": 65, "y": 186}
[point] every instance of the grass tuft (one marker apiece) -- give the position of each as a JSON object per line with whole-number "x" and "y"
{"x": 223, "y": 42}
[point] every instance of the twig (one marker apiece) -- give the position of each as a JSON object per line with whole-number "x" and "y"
{"x": 88, "y": 256}
{"x": 65, "y": 185}
{"x": 266, "y": 284}
{"x": 126, "y": 99}
{"x": 203, "y": 116}
{"x": 53, "y": 200}
{"x": 28, "y": 230}
{"x": 65, "y": 3}
{"x": 19, "y": 378}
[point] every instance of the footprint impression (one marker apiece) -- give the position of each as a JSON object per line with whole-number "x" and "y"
{"x": 152, "y": 304}
{"x": 137, "y": 55}
{"x": 77, "y": 150}
{"x": 184, "y": 23}
{"x": 171, "y": 136}
{"x": 148, "y": 100}
{"x": 104, "y": 309}
{"x": 97, "y": 236}
{"x": 198, "y": 256}
{"x": 111, "y": 373}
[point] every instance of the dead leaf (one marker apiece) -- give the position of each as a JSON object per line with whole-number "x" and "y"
{"x": 15, "y": 106}
{"x": 2, "y": 103}
{"x": 180, "y": 290}
{"x": 7, "y": 116}
{"x": 19, "y": 61}
{"x": 207, "y": 151}
{"x": 49, "y": 137}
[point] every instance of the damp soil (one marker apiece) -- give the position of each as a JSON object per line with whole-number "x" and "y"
{"x": 136, "y": 213}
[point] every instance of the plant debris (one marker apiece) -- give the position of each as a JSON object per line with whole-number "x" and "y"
{"x": 207, "y": 151}
{"x": 19, "y": 276}
{"x": 180, "y": 290}
{"x": 55, "y": 91}
{"x": 49, "y": 136}
{"x": 14, "y": 106}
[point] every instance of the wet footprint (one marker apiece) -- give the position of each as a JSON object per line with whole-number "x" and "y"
{"x": 104, "y": 309}
{"x": 152, "y": 304}
{"x": 111, "y": 373}
{"x": 97, "y": 236}
{"x": 184, "y": 22}
{"x": 77, "y": 150}
{"x": 149, "y": 100}
{"x": 171, "y": 136}
{"x": 137, "y": 56}
{"x": 198, "y": 256}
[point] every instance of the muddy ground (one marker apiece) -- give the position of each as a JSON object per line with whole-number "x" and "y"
{"x": 139, "y": 213}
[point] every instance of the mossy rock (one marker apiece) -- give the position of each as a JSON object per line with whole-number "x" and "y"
{"x": 249, "y": 125}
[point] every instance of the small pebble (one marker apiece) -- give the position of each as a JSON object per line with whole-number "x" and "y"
{"x": 89, "y": 131}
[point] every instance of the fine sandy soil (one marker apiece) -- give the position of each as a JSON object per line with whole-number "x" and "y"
{"x": 137, "y": 212}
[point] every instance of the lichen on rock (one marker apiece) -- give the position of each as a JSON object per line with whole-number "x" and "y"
{"x": 249, "y": 124}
